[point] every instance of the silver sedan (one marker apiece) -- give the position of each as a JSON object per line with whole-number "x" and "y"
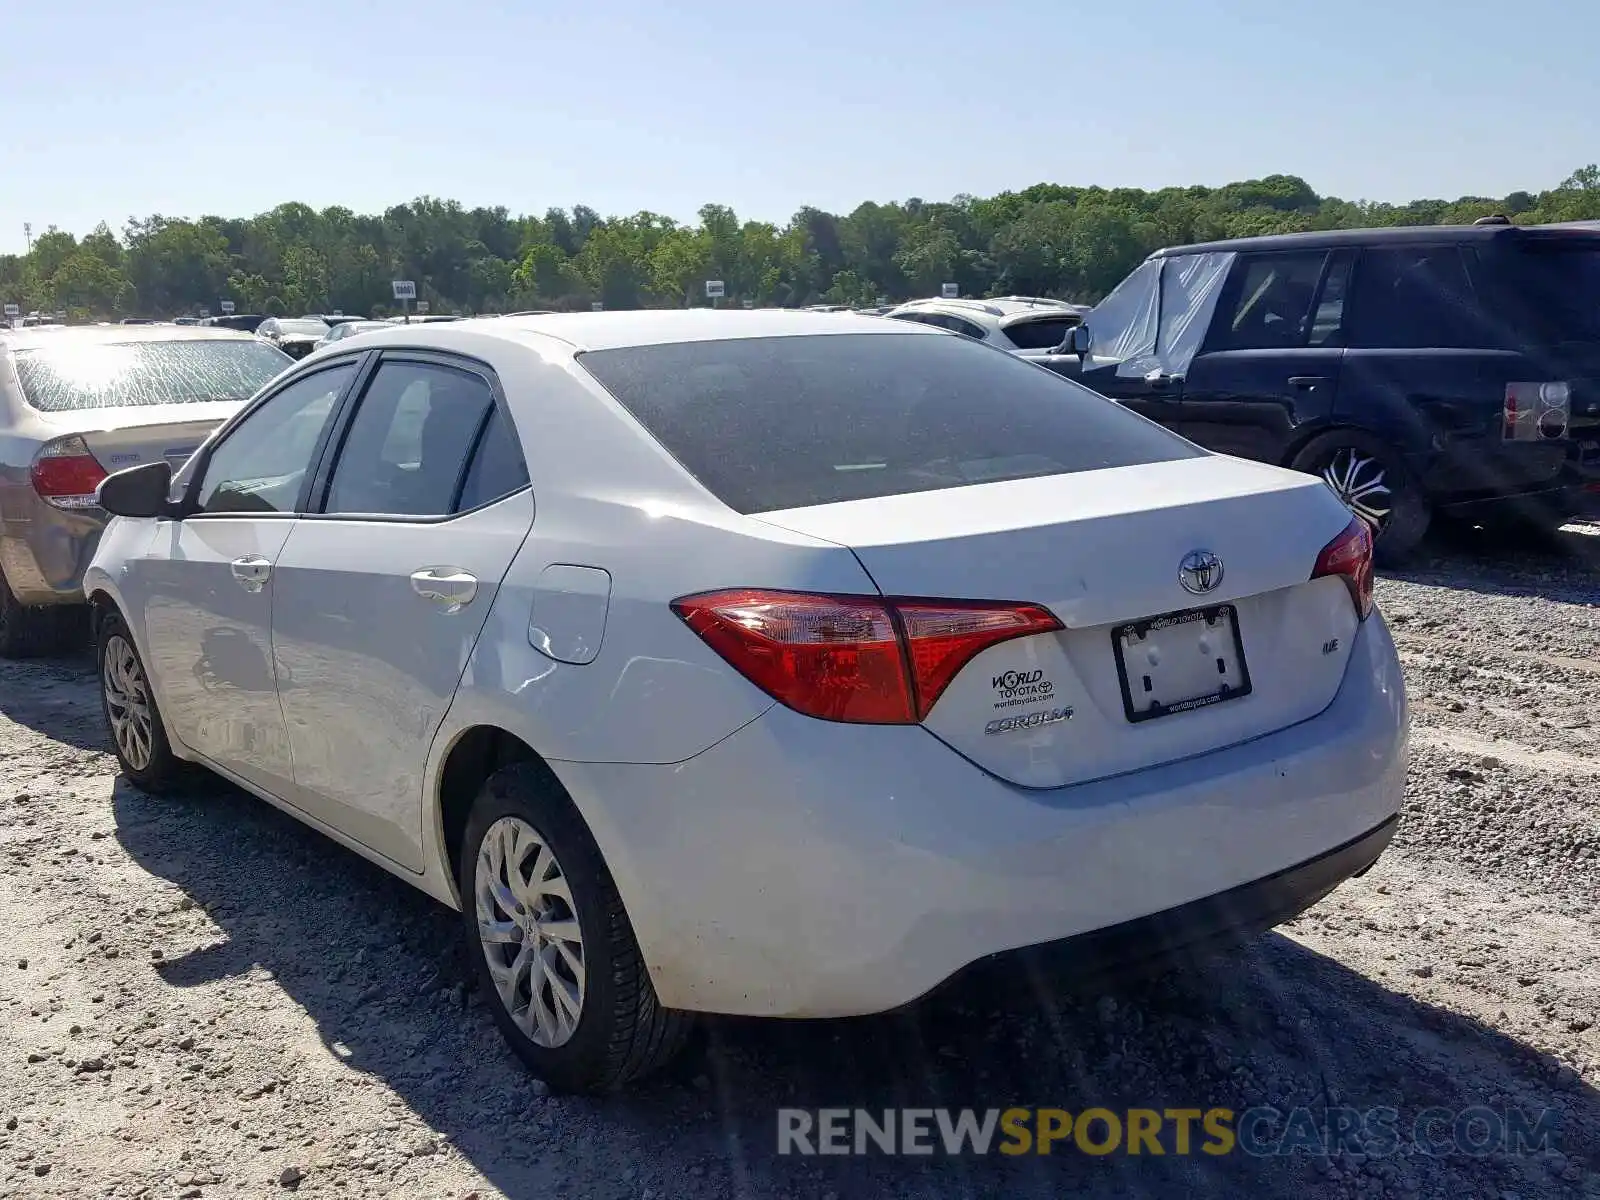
{"x": 76, "y": 404}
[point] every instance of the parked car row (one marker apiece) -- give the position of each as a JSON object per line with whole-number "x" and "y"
{"x": 767, "y": 663}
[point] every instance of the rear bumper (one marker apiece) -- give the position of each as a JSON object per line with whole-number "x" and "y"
{"x": 1493, "y": 483}
{"x": 1539, "y": 507}
{"x": 45, "y": 550}
{"x": 1176, "y": 935}
{"x": 806, "y": 869}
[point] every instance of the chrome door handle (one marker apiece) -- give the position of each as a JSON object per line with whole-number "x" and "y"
{"x": 449, "y": 587}
{"x": 252, "y": 571}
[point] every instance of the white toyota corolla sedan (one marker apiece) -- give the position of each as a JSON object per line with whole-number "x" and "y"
{"x": 760, "y": 663}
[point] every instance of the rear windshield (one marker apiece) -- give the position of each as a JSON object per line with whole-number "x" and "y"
{"x": 303, "y": 327}
{"x": 786, "y": 422}
{"x": 1040, "y": 335}
{"x": 131, "y": 374}
{"x": 1559, "y": 286}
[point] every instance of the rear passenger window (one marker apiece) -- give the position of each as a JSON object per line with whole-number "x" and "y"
{"x": 406, "y": 453}
{"x": 497, "y": 467}
{"x": 1413, "y": 297}
{"x": 1327, "y": 322}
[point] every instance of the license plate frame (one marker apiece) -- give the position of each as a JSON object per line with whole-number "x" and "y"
{"x": 1142, "y": 629}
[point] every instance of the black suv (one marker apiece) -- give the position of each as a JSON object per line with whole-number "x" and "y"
{"x": 1450, "y": 370}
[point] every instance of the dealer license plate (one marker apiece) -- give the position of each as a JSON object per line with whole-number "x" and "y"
{"x": 1180, "y": 662}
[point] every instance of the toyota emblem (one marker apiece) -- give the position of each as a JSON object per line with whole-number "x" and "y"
{"x": 1200, "y": 572}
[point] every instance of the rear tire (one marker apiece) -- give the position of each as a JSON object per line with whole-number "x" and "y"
{"x": 132, "y": 717}
{"x": 1375, "y": 484}
{"x": 27, "y": 630}
{"x": 555, "y": 955}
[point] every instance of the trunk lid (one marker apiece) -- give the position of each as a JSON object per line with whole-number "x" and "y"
{"x": 1101, "y": 550}
{"x": 129, "y": 437}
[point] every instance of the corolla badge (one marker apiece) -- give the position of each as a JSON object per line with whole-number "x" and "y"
{"x": 1200, "y": 572}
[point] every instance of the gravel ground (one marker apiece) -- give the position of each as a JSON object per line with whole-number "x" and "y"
{"x": 199, "y": 997}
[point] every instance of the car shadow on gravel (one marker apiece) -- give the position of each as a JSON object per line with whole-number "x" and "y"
{"x": 376, "y": 966}
{"x": 56, "y": 697}
{"x": 1563, "y": 566}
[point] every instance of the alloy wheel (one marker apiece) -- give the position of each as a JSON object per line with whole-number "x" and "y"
{"x": 529, "y": 930}
{"x": 128, "y": 703}
{"x": 1362, "y": 483}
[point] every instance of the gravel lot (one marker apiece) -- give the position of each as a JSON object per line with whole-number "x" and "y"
{"x": 199, "y": 997}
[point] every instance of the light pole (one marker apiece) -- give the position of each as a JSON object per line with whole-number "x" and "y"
{"x": 27, "y": 234}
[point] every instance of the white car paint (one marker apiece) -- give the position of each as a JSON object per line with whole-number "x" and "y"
{"x": 988, "y": 320}
{"x": 1006, "y": 541}
{"x": 876, "y": 863}
{"x": 770, "y": 862}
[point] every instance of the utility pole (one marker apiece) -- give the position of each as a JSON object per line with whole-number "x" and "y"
{"x": 27, "y": 234}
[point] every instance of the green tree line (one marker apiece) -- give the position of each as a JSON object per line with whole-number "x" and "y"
{"x": 1049, "y": 239}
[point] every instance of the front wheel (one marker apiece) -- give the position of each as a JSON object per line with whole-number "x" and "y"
{"x": 554, "y": 951}
{"x": 129, "y": 704}
{"x": 1374, "y": 484}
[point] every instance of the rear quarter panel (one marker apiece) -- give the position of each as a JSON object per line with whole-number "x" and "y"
{"x": 654, "y": 692}
{"x": 1443, "y": 410}
{"x": 607, "y": 496}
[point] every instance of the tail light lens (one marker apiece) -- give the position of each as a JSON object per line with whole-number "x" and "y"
{"x": 1349, "y": 556}
{"x": 854, "y": 658}
{"x": 65, "y": 473}
{"x": 1536, "y": 412}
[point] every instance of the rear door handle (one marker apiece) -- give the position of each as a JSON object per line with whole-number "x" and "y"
{"x": 252, "y": 571}
{"x": 451, "y": 588}
{"x": 1306, "y": 382}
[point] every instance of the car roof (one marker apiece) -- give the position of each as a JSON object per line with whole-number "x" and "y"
{"x": 993, "y": 309}
{"x": 116, "y": 335}
{"x": 644, "y": 327}
{"x": 1397, "y": 235}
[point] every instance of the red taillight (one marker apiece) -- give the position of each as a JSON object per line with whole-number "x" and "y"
{"x": 1349, "y": 556}
{"x": 65, "y": 473}
{"x": 942, "y": 636}
{"x": 853, "y": 658}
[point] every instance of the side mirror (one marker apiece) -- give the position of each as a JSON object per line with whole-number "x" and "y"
{"x": 138, "y": 491}
{"x": 1076, "y": 342}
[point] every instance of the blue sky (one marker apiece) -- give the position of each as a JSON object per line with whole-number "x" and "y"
{"x": 115, "y": 109}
